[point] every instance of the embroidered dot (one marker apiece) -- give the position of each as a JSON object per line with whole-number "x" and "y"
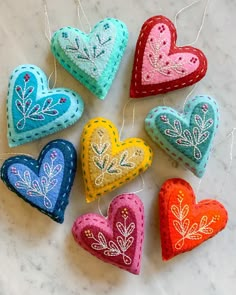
{"x": 180, "y": 58}
{"x": 193, "y": 60}
{"x": 62, "y": 100}
{"x": 106, "y": 26}
{"x": 18, "y": 88}
{"x": 53, "y": 155}
{"x": 13, "y": 170}
{"x": 26, "y": 77}
{"x": 164, "y": 118}
{"x": 64, "y": 35}
{"x": 205, "y": 108}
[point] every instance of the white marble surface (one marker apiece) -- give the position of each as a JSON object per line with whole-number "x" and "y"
{"x": 38, "y": 256}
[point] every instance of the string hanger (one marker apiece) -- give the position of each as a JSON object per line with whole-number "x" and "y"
{"x": 202, "y": 22}
{"x": 80, "y": 9}
{"x": 130, "y": 100}
{"x": 135, "y": 192}
{"x": 48, "y": 35}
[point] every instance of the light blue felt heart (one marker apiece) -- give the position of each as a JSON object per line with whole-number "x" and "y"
{"x": 44, "y": 183}
{"x": 187, "y": 137}
{"x": 92, "y": 58}
{"x": 34, "y": 111}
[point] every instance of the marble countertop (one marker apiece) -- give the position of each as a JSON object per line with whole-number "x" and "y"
{"x": 38, "y": 256}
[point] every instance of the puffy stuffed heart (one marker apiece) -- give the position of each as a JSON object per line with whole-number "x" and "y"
{"x": 117, "y": 239}
{"x": 108, "y": 163}
{"x": 159, "y": 65}
{"x": 44, "y": 183}
{"x": 33, "y": 110}
{"x": 92, "y": 59}
{"x": 184, "y": 224}
{"x": 187, "y": 137}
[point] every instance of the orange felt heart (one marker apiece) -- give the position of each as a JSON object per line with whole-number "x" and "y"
{"x": 184, "y": 223}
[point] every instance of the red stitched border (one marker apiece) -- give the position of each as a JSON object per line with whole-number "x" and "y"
{"x": 138, "y": 90}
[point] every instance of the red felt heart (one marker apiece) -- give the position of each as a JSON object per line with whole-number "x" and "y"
{"x": 185, "y": 224}
{"x": 117, "y": 239}
{"x": 159, "y": 65}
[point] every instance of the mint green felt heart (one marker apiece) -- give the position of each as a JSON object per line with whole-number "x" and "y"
{"x": 186, "y": 137}
{"x": 92, "y": 58}
{"x": 34, "y": 111}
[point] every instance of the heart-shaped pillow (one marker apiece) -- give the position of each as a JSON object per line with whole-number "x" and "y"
{"x": 117, "y": 239}
{"x": 187, "y": 137}
{"x": 44, "y": 183}
{"x": 159, "y": 65}
{"x": 185, "y": 224}
{"x": 108, "y": 163}
{"x": 92, "y": 59}
{"x": 34, "y": 111}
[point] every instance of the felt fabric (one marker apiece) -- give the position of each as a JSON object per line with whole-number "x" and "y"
{"x": 44, "y": 183}
{"x": 108, "y": 163}
{"x": 117, "y": 239}
{"x": 159, "y": 65}
{"x": 92, "y": 58}
{"x": 187, "y": 137}
{"x": 33, "y": 110}
{"x": 185, "y": 224}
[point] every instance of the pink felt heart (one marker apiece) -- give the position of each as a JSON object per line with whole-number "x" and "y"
{"x": 118, "y": 238}
{"x": 159, "y": 65}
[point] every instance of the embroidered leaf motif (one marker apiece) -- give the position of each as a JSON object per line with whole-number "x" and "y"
{"x": 27, "y": 177}
{"x": 130, "y": 229}
{"x": 102, "y": 239}
{"x": 46, "y": 169}
{"x": 208, "y": 124}
{"x": 101, "y": 162}
{"x": 195, "y": 236}
{"x": 19, "y": 105}
{"x": 171, "y": 133}
{"x": 178, "y": 126}
{"x": 52, "y": 184}
{"x": 203, "y": 137}
{"x": 21, "y": 185}
{"x": 112, "y": 167}
{"x": 97, "y": 246}
{"x": 175, "y": 211}
{"x": 56, "y": 170}
{"x": 120, "y": 228}
{"x": 36, "y": 186}
{"x": 198, "y": 121}
{"x": 124, "y": 161}
{"x": 100, "y": 149}
{"x": 182, "y": 223}
{"x": 190, "y": 138}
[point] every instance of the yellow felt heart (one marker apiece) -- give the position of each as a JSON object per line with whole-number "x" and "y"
{"x": 108, "y": 163}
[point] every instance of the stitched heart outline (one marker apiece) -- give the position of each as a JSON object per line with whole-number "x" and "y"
{"x": 186, "y": 137}
{"x": 159, "y": 65}
{"x": 44, "y": 183}
{"x": 94, "y": 58}
{"x": 117, "y": 239}
{"x": 185, "y": 224}
{"x": 33, "y": 110}
{"x": 107, "y": 162}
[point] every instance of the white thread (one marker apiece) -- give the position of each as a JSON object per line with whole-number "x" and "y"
{"x": 99, "y": 209}
{"x": 123, "y": 116}
{"x": 78, "y": 8}
{"x": 190, "y": 93}
{"x": 142, "y": 188}
{"x": 48, "y": 35}
{"x": 202, "y": 22}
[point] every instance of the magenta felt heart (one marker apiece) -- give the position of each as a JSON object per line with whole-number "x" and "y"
{"x": 118, "y": 238}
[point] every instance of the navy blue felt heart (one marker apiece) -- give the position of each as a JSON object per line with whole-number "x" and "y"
{"x": 44, "y": 183}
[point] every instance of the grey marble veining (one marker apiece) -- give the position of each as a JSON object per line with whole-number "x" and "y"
{"x": 38, "y": 256}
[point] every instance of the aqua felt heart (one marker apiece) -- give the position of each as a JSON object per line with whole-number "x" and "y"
{"x": 187, "y": 137}
{"x": 44, "y": 183}
{"x": 33, "y": 110}
{"x": 92, "y": 58}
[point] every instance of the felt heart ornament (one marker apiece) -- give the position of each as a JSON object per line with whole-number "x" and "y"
{"x": 92, "y": 58}
{"x": 107, "y": 162}
{"x": 117, "y": 239}
{"x": 185, "y": 224}
{"x": 44, "y": 183}
{"x": 187, "y": 137}
{"x": 33, "y": 110}
{"x": 159, "y": 65}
